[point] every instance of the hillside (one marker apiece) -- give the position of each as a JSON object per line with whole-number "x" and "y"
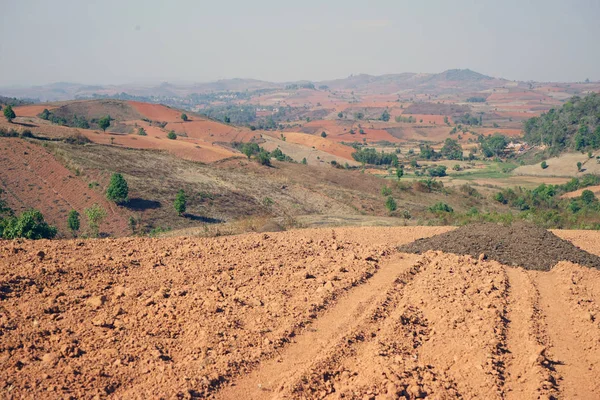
{"x": 574, "y": 126}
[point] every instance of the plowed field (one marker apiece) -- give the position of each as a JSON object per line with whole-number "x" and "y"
{"x": 302, "y": 314}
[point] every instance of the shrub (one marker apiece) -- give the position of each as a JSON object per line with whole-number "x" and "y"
{"x": 386, "y": 191}
{"x": 184, "y": 117}
{"x": 73, "y": 222}
{"x": 95, "y": 215}
{"x": 118, "y": 189}
{"x": 427, "y": 185}
{"x": 104, "y": 122}
{"x": 9, "y": 113}
{"x": 399, "y": 173}
{"x": 579, "y": 165}
{"x": 588, "y": 197}
{"x": 441, "y": 207}
{"x": 180, "y": 204}
{"x": 142, "y": 131}
{"x": 544, "y": 165}
{"x": 263, "y": 158}
{"x": 304, "y": 161}
{"x": 390, "y": 204}
{"x": 438, "y": 170}
{"x": 470, "y": 191}
{"x": 77, "y": 138}
{"x": 323, "y": 134}
{"x": 172, "y": 135}
{"x": 29, "y": 225}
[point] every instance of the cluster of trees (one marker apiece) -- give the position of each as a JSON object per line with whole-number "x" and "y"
{"x": 452, "y": 150}
{"x": 547, "y": 198}
{"x": 576, "y": 125}
{"x": 76, "y": 121}
{"x": 476, "y": 99}
{"x": 410, "y": 119}
{"x": 261, "y": 155}
{"x": 468, "y": 119}
{"x": 493, "y": 145}
{"x": 373, "y": 157}
{"x": 301, "y": 85}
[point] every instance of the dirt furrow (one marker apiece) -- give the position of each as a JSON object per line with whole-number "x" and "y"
{"x": 529, "y": 372}
{"x": 277, "y": 376}
{"x": 569, "y": 296}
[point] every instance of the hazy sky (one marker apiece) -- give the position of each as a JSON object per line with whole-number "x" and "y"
{"x": 122, "y": 41}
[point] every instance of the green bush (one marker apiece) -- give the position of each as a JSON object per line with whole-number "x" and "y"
{"x": 588, "y": 197}
{"x": 73, "y": 222}
{"x": 118, "y": 190}
{"x": 171, "y": 135}
{"x": 9, "y": 113}
{"x": 437, "y": 171}
{"x": 263, "y": 158}
{"x": 29, "y": 225}
{"x": 441, "y": 207}
{"x": 544, "y": 165}
{"x": 180, "y": 204}
{"x": 390, "y": 204}
{"x": 104, "y": 122}
{"x": 386, "y": 191}
{"x": 95, "y": 215}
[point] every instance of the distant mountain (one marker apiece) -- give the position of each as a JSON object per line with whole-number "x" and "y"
{"x": 450, "y": 81}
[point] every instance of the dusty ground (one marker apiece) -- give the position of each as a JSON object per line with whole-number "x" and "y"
{"x": 303, "y": 314}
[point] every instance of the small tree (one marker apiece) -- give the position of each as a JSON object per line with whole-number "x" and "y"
{"x": 323, "y": 134}
{"x": 386, "y": 191}
{"x": 390, "y": 204}
{"x": 227, "y": 120}
{"x": 73, "y": 222}
{"x": 104, "y": 122}
{"x": 340, "y": 115}
{"x": 184, "y": 117}
{"x": 579, "y": 165}
{"x": 142, "y": 131}
{"x": 132, "y": 223}
{"x": 588, "y": 197}
{"x": 9, "y": 113}
{"x": 264, "y": 158}
{"x": 399, "y": 173}
{"x": 385, "y": 116}
{"x": 544, "y": 165}
{"x": 172, "y": 135}
{"x": 118, "y": 189}
{"x": 95, "y": 215}
{"x": 180, "y": 202}
{"x": 304, "y": 161}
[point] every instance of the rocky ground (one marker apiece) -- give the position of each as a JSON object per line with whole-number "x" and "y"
{"x": 301, "y": 314}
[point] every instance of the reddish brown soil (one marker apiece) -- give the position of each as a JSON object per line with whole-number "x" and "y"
{"x": 301, "y": 314}
{"x": 32, "y": 178}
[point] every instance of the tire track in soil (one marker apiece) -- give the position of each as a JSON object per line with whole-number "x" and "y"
{"x": 323, "y": 339}
{"x": 529, "y": 372}
{"x": 569, "y": 309}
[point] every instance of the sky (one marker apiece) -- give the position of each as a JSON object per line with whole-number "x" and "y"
{"x": 151, "y": 41}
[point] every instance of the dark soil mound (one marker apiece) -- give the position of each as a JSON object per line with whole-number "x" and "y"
{"x": 522, "y": 245}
